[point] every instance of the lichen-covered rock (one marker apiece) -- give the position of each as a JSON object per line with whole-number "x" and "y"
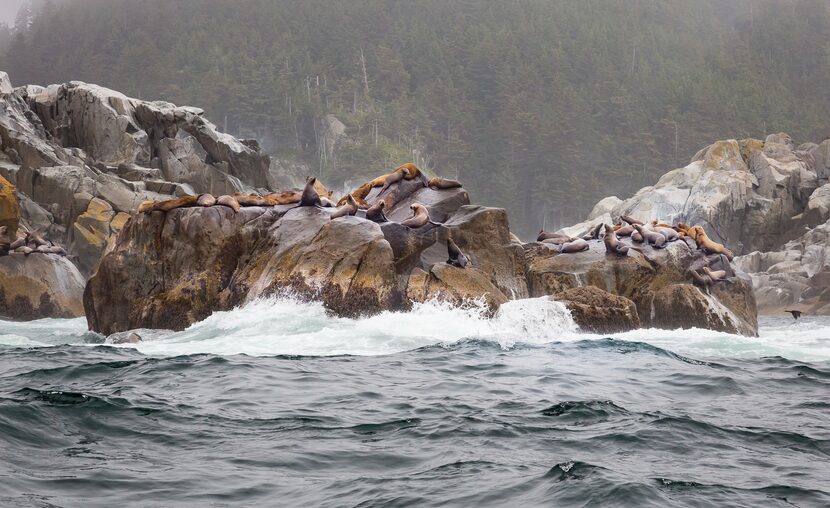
{"x": 599, "y": 311}
{"x": 39, "y": 286}
{"x": 9, "y": 207}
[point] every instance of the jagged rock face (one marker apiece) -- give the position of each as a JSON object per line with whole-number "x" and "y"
{"x": 74, "y": 139}
{"x": 795, "y": 276}
{"x": 656, "y": 281}
{"x": 747, "y": 194}
{"x": 9, "y": 207}
{"x": 39, "y": 286}
{"x": 598, "y": 311}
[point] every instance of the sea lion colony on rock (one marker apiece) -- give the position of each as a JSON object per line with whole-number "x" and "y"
{"x": 656, "y": 234}
{"x": 31, "y": 242}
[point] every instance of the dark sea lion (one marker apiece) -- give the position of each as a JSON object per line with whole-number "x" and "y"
{"x": 420, "y": 217}
{"x": 653, "y": 238}
{"x": 443, "y": 183}
{"x": 310, "y": 196}
{"x": 206, "y": 200}
{"x": 375, "y": 212}
{"x": 577, "y": 245}
{"x": 350, "y": 208}
{"x": 795, "y": 313}
{"x": 631, "y": 220}
{"x": 593, "y": 234}
{"x": 710, "y": 246}
{"x": 456, "y": 257}
{"x": 612, "y": 243}
{"x": 228, "y": 201}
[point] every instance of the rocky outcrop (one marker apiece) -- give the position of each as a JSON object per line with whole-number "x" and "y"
{"x": 9, "y": 207}
{"x": 64, "y": 145}
{"x": 747, "y": 194}
{"x": 39, "y": 286}
{"x": 598, "y": 311}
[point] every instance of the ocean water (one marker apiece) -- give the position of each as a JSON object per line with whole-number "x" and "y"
{"x": 279, "y": 404}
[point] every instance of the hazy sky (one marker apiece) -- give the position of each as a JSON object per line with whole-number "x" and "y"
{"x": 8, "y": 10}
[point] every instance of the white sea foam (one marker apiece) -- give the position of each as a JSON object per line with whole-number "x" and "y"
{"x": 287, "y": 326}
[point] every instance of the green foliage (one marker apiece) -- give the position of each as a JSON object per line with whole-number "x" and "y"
{"x": 542, "y": 106}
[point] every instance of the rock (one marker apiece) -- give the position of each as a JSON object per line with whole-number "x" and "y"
{"x": 598, "y": 311}
{"x": 821, "y": 158}
{"x": 9, "y": 205}
{"x": 604, "y": 207}
{"x": 5, "y": 83}
{"x": 39, "y": 286}
{"x": 91, "y": 233}
{"x": 817, "y": 210}
{"x": 645, "y": 279}
{"x": 459, "y": 286}
{"x": 183, "y": 160}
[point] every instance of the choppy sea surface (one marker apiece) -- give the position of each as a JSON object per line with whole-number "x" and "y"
{"x": 279, "y": 404}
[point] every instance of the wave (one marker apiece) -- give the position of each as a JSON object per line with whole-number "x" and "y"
{"x": 294, "y": 327}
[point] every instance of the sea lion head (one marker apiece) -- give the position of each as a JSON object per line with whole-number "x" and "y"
{"x": 311, "y": 180}
{"x": 381, "y": 203}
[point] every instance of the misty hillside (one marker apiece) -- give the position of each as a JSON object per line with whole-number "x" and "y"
{"x": 542, "y": 106}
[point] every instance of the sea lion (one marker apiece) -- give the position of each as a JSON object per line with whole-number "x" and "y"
{"x": 577, "y": 245}
{"x": 456, "y": 257}
{"x": 350, "y": 208}
{"x": 19, "y": 242}
{"x": 558, "y": 240}
{"x": 25, "y": 250}
{"x": 710, "y": 246}
{"x": 327, "y": 203}
{"x": 593, "y": 234}
{"x": 393, "y": 178}
{"x": 795, "y": 313}
{"x": 702, "y": 279}
{"x": 694, "y": 231}
{"x": 412, "y": 172}
{"x": 206, "y": 200}
{"x": 420, "y": 217}
{"x": 375, "y": 212}
{"x": 714, "y": 275}
{"x": 655, "y": 224}
{"x": 670, "y": 234}
{"x": 170, "y": 204}
{"x": 35, "y": 238}
{"x": 636, "y": 236}
{"x": 544, "y": 235}
{"x": 5, "y": 242}
{"x": 631, "y": 220}
{"x": 443, "y": 183}
{"x": 272, "y": 199}
{"x": 612, "y": 243}
{"x": 653, "y": 238}
{"x": 310, "y": 196}
{"x": 228, "y": 201}
{"x": 626, "y": 230}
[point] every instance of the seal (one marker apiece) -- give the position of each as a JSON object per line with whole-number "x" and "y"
{"x": 577, "y": 245}
{"x": 670, "y": 234}
{"x": 456, "y": 257}
{"x": 612, "y": 243}
{"x": 702, "y": 279}
{"x": 375, "y": 212}
{"x": 420, "y": 217}
{"x": 710, "y": 246}
{"x": 544, "y": 235}
{"x": 443, "y": 183}
{"x": 350, "y": 208}
{"x": 228, "y": 201}
{"x": 393, "y": 178}
{"x": 593, "y": 234}
{"x": 310, "y": 197}
{"x": 206, "y": 200}
{"x": 653, "y": 238}
{"x": 170, "y": 204}
{"x": 35, "y": 238}
{"x": 5, "y": 241}
{"x": 715, "y": 275}
{"x": 626, "y": 230}
{"x": 558, "y": 240}
{"x": 327, "y": 203}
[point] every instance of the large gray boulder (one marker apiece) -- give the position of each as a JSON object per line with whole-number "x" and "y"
{"x": 39, "y": 286}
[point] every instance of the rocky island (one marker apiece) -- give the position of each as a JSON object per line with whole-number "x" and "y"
{"x": 78, "y": 161}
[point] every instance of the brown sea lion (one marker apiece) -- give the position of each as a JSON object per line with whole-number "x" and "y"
{"x": 170, "y": 204}
{"x": 710, "y": 246}
{"x": 228, "y": 201}
{"x": 206, "y": 200}
{"x": 544, "y": 235}
{"x": 715, "y": 275}
{"x": 653, "y": 238}
{"x": 577, "y": 245}
{"x": 393, "y": 178}
{"x": 412, "y": 172}
{"x": 443, "y": 183}
{"x": 694, "y": 231}
{"x": 626, "y": 230}
{"x": 327, "y": 203}
{"x": 350, "y": 208}
{"x": 631, "y": 220}
{"x": 612, "y": 243}
{"x": 558, "y": 240}
{"x": 420, "y": 217}
{"x": 456, "y": 257}
{"x": 655, "y": 224}
{"x": 375, "y": 212}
